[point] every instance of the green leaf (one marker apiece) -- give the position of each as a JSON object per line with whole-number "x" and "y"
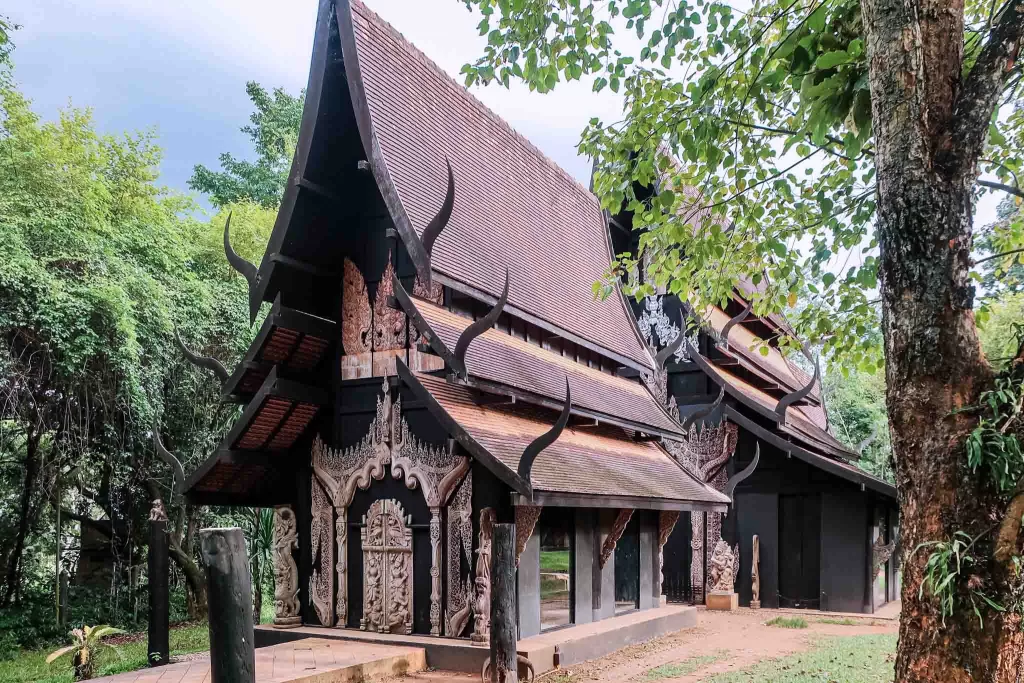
{"x": 832, "y": 59}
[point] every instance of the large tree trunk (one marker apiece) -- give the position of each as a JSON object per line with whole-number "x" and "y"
{"x": 930, "y": 124}
{"x": 13, "y": 576}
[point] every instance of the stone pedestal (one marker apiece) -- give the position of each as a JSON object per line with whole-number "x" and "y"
{"x": 755, "y": 604}
{"x": 724, "y": 601}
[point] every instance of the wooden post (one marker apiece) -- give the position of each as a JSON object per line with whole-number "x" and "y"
{"x": 159, "y": 645}
{"x": 229, "y": 594}
{"x": 63, "y": 598}
{"x": 503, "y": 605}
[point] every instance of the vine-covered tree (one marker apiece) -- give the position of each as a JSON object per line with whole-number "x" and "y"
{"x": 834, "y": 147}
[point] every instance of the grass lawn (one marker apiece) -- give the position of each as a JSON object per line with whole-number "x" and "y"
{"x": 787, "y": 622}
{"x": 852, "y": 659}
{"x": 554, "y": 560}
{"x": 30, "y": 666}
{"x": 684, "y": 667}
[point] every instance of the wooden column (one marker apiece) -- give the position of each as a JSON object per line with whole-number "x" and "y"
{"x": 158, "y": 635}
{"x": 435, "y": 571}
{"x": 229, "y": 593}
{"x": 503, "y": 605}
{"x": 341, "y": 559}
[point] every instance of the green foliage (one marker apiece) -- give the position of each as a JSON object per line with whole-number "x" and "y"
{"x": 854, "y": 659}
{"x": 857, "y": 415}
{"x": 993, "y": 446}
{"x": 274, "y": 131}
{"x": 755, "y": 124}
{"x": 947, "y": 576}
{"x": 998, "y": 340}
{"x": 86, "y": 644}
{"x": 31, "y": 667}
{"x": 100, "y": 264}
{"x": 787, "y": 622}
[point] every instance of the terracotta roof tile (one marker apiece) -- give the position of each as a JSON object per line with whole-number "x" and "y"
{"x": 499, "y": 357}
{"x": 799, "y": 423}
{"x": 745, "y": 343}
{"x": 513, "y": 208}
{"x": 600, "y": 461}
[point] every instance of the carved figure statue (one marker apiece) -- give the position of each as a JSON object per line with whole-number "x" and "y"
{"x": 286, "y": 573}
{"x": 755, "y": 575}
{"x": 482, "y": 603}
{"x": 158, "y": 513}
{"x": 724, "y": 567}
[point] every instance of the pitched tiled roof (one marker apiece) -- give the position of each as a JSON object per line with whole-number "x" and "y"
{"x": 595, "y": 461}
{"x": 500, "y": 357}
{"x": 514, "y": 208}
{"x": 799, "y": 423}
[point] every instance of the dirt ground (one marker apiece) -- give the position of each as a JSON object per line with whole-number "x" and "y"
{"x": 730, "y": 641}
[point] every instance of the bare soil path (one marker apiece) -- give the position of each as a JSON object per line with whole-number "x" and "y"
{"x": 723, "y": 641}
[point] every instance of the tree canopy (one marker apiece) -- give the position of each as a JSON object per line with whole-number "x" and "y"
{"x": 274, "y": 131}
{"x": 757, "y": 125}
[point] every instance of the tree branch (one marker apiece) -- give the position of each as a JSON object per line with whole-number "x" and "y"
{"x": 1001, "y": 186}
{"x": 980, "y": 91}
{"x": 995, "y": 256}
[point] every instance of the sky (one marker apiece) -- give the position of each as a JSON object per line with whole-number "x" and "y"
{"x": 180, "y": 68}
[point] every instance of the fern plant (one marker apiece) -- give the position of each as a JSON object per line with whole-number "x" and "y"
{"x": 87, "y": 642}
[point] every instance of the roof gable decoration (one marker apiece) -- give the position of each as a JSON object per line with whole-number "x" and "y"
{"x": 508, "y": 194}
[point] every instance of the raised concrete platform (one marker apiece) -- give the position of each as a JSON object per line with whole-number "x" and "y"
{"x": 566, "y": 646}
{"x": 559, "y": 647}
{"x": 311, "y": 660}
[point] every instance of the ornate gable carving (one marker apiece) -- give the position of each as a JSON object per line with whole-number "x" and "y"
{"x": 355, "y": 311}
{"x": 388, "y": 324}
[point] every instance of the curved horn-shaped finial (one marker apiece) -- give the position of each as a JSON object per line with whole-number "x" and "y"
{"x": 478, "y": 327}
{"x": 736, "y": 320}
{"x": 207, "y": 362}
{"x": 176, "y": 469}
{"x": 439, "y": 221}
{"x": 247, "y": 269}
{"x": 789, "y": 399}
{"x": 736, "y": 479}
{"x": 545, "y": 439}
{"x": 703, "y": 411}
{"x": 426, "y": 331}
{"x": 868, "y": 441}
{"x": 671, "y": 348}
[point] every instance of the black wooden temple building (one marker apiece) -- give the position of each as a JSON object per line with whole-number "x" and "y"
{"x": 827, "y": 530}
{"x": 433, "y": 361}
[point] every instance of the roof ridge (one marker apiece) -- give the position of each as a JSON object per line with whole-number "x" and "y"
{"x": 370, "y": 15}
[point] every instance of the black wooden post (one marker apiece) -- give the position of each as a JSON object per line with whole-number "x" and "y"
{"x": 503, "y": 604}
{"x": 229, "y": 594}
{"x": 159, "y": 645}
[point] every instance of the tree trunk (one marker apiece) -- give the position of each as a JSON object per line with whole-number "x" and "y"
{"x": 13, "y": 577}
{"x": 930, "y": 125}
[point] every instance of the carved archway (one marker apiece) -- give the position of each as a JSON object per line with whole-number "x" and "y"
{"x": 436, "y": 471}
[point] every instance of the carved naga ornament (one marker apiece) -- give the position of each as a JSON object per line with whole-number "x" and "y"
{"x": 286, "y": 573}
{"x": 482, "y": 582}
{"x": 205, "y": 362}
{"x": 546, "y": 439}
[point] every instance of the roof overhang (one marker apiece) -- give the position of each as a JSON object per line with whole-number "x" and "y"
{"x": 291, "y": 340}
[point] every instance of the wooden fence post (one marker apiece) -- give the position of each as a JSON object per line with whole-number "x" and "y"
{"x": 158, "y": 646}
{"x": 503, "y": 664}
{"x": 229, "y": 595}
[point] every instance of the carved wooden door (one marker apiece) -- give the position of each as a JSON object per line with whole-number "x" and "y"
{"x": 387, "y": 567}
